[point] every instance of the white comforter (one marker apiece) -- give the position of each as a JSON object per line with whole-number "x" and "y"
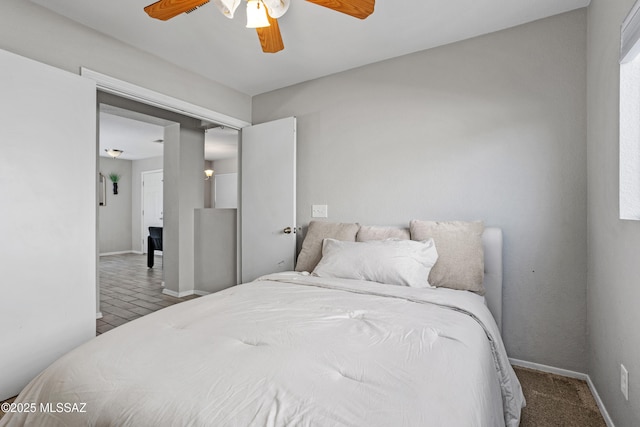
{"x": 289, "y": 350}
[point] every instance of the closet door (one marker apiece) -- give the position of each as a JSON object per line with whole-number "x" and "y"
{"x": 48, "y": 205}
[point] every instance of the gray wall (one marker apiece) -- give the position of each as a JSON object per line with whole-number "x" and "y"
{"x": 208, "y": 187}
{"x": 614, "y": 245}
{"x": 114, "y": 219}
{"x": 226, "y": 165}
{"x": 139, "y": 166}
{"x": 35, "y": 32}
{"x": 215, "y": 249}
{"x": 183, "y": 193}
{"x": 490, "y": 128}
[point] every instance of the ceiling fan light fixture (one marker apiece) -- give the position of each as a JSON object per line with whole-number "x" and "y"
{"x": 256, "y": 14}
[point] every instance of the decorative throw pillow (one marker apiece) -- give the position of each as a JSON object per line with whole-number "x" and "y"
{"x": 368, "y": 232}
{"x": 311, "y": 251}
{"x": 460, "y": 256}
{"x": 390, "y": 261}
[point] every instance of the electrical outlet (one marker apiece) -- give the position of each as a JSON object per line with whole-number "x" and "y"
{"x": 319, "y": 211}
{"x": 624, "y": 381}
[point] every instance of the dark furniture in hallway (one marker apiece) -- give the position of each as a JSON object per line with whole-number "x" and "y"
{"x": 154, "y": 243}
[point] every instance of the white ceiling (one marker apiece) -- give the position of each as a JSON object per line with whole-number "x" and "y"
{"x": 137, "y": 135}
{"x": 318, "y": 41}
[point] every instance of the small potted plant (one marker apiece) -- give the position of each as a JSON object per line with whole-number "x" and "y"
{"x": 114, "y": 177}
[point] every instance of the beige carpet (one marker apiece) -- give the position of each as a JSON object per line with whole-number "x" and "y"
{"x": 555, "y": 401}
{"x": 552, "y": 401}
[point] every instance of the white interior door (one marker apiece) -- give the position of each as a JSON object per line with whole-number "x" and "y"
{"x": 268, "y": 198}
{"x": 226, "y": 191}
{"x": 47, "y": 216}
{"x": 152, "y": 203}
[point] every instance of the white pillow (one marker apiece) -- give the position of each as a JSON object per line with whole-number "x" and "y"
{"x": 390, "y": 261}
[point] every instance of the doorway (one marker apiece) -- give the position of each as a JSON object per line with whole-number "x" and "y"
{"x": 152, "y": 203}
{"x": 135, "y": 143}
{"x": 112, "y": 91}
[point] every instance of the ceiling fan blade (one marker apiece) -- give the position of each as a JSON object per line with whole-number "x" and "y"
{"x": 270, "y": 37}
{"x": 167, "y": 9}
{"x": 356, "y": 8}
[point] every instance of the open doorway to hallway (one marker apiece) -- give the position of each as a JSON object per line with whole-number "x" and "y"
{"x": 130, "y": 147}
{"x": 137, "y": 139}
{"x": 127, "y": 287}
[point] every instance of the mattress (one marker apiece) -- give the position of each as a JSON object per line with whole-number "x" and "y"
{"x": 288, "y": 350}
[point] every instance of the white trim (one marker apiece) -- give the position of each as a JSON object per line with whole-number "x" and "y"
{"x": 118, "y": 253}
{"x": 549, "y": 369}
{"x": 99, "y": 315}
{"x": 185, "y": 293}
{"x": 570, "y": 374}
{"x": 603, "y": 410}
{"x": 177, "y": 294}
{"x": 146, "y": 96}
{"x": 630, "y": 35}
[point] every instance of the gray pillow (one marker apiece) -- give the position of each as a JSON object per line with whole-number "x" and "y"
{"x": 311, "y": 251}
{"x": 368, "y": 232}
{"x": 460, "y": 262}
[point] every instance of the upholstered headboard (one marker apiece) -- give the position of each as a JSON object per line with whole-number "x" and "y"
{"x": 492, "y": 245}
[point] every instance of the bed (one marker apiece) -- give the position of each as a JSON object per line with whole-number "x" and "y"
{"x": 294, "y": 349}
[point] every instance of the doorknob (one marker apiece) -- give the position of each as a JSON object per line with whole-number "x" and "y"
{"x": 287, "y": 230}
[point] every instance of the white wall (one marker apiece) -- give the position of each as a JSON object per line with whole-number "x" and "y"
{"x": 490, "y": 128}
{"x": 221, "y": 167}
{"x": 614, "y": 244}
{"x": 35, "y": 32}
{"x": 47, "y": 217}
{"x": 114, "y": 219}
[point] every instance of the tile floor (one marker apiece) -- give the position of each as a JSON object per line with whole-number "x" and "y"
{"x": 128, "y": 290}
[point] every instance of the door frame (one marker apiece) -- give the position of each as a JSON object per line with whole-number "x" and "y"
{"x": 112, "y": 85}
{"x": 142, "y": 174}
{"x": 143, "y": 95}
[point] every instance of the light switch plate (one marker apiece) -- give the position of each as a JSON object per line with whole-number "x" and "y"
{"x": 624, "y": 381}
{"x": 319, "y": 211}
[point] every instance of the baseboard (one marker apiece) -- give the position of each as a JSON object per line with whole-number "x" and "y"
{"x": 570, "y": 374}
{"x": 123, "y": 253}
{"x": 118, "y": 253}
{"x": 99, "y": 315}
{"x": 201, "y": 293}
{"x": 549, "y": 369}
{"x": 177, "y": 294}
{"x": 603, "y": 410}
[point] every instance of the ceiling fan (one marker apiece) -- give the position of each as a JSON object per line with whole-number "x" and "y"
{"x": 261, "y": 14}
